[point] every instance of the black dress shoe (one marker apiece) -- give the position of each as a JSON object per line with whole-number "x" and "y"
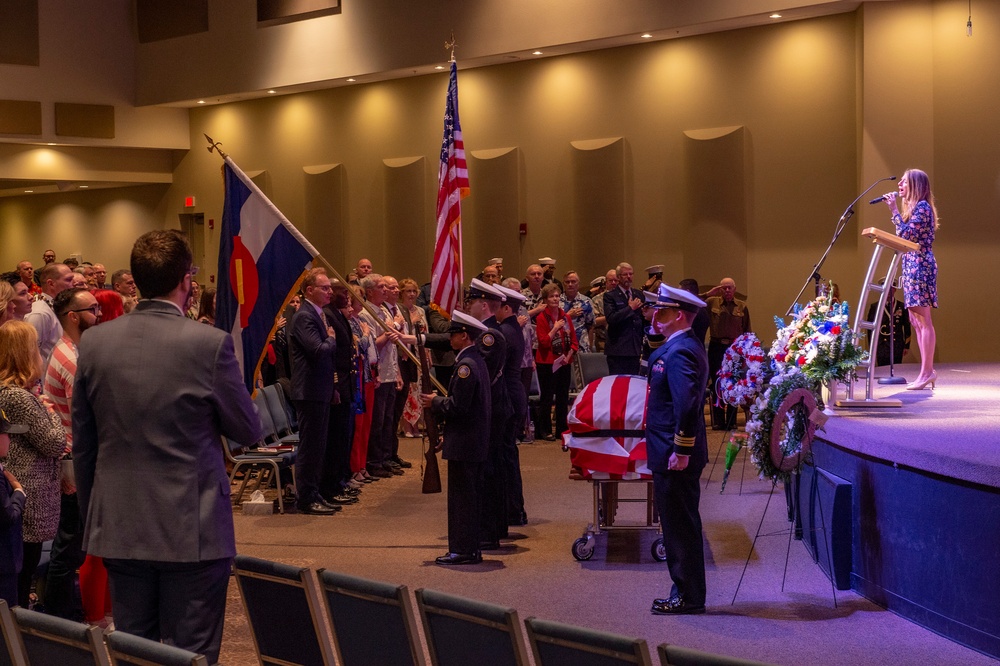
{"x": 393, "y": 469}
{"x": 379, "y": 473}
{"x": 676, "y": 606}
{"x": 319, "y": 508}
{"x": 458, "y": 558}
{"x": 340, "y": 500}
{"x": 405, "y": 464}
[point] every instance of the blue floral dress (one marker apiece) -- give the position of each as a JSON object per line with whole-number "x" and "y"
{"x": 920, "y": 267}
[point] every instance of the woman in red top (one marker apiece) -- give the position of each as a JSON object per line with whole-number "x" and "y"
{"x": 557, "y": 345}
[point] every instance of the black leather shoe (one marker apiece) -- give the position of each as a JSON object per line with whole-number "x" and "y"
{"x": 489, "y": 545}
{"x": 340, "y": 500}
{"x": 393, "y": 469}
{"x": 676, "y": 606}
{"x": 350, "y": 492}
{"x": 379, "y": 473}
{"x": 319, "y": 509}
{"x": 405, "y": 464}
{"x": 458, "y": 558}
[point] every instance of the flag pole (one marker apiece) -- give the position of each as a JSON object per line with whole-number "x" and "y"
{"x": 216, "y": 146}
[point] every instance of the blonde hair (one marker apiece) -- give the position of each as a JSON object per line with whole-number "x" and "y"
{"x": 20, "y": 362}
{"x": 7, "y": 294}
{"x": 918, "y": 189}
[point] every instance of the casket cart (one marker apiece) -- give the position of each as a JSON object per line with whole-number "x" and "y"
{"x": 607, "y": 445}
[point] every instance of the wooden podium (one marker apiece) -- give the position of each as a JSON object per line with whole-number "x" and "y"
{"x": 883, "y": 241}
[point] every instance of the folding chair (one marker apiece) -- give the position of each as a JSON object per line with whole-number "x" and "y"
{"x": 462, "y": 631}
{"x": 251, "y": 458}
{"x": 373, "y": 622}
{"x": 271, "y": 435}
{"x": 279, "y": 416}
{"x": 11, "y": 650}
{"x": 675, "y": 655}
{"x": 129, "y": 650}
{"x": 48, "y": 639}
{"x": 593, "y": 366}
{"x": 283, "y": 608}
{"x": 557, "y": 644}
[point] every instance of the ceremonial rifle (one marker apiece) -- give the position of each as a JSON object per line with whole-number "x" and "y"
{"x": 432, "y": 475}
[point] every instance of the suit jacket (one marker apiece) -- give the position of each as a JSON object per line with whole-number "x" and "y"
{"x": 313, "y": 354}
{"x": 11, "y": 512}
{"x": 153, "y": 393}
{"x": 344, "y": 358}
{"x": 466, "y": 410}
{"x": 625, "y": 325}
{"x": 678, "y": 374}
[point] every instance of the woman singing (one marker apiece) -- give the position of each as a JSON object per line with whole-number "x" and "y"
{"x": 917, "y": 223}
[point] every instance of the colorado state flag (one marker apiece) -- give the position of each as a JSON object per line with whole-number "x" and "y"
{"x": 262, "y": 257}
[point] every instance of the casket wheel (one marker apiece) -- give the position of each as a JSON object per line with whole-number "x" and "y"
{"x": 583, "y": 548}
{"x": 658, "y": 551}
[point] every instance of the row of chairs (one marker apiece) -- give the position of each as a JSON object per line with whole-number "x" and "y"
{"x": 330, "y": 617}
{"x": 29, "y": 638}
{"x": 273, "y": 453}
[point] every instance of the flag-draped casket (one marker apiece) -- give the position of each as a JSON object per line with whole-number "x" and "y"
{"x": 606, "y": 437}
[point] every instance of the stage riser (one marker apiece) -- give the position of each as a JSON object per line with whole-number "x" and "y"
{"x": 923, "y": 545}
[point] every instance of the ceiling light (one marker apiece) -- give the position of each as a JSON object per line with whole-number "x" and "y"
{"x": 775, "y": 15}
{"x": 201, "y": 101}
{"x": 29, "y": 191}
{"x": 83, "y": 187}
{"x": 271, "y": 92}
{"x": 351, "y": 80}
{"x": 536, "y": 53}
{"x": 646, "y": 36}
{"x": 439, "y": 67}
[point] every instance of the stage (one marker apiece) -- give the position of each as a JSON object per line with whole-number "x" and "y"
{"x": 909, "y": 502}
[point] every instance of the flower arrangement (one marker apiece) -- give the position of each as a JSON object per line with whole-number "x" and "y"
{"x": 816, "y": 347}
{"x": 744, "y": 372}
{"x": 819, "y": 341}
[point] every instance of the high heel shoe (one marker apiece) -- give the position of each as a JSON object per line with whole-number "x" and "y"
{"x": 919, "y": 386}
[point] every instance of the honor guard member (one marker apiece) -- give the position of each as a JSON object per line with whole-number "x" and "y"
{"x": 655, "y": 279}
{"x": 651, "y": 340}
{"x": 518, "y": 396}
{"x": 677, "y": 447}
{"x": 466, "y": 411}
{"x": 482, "y": 302}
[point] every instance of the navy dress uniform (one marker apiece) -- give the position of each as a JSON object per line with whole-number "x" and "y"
{"x": 467, "y": 412}
{"x": 518, "y": 396}
{"x": 675, "y": 424}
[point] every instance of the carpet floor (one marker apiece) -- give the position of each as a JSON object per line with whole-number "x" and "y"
{"x": 782, "y": 615}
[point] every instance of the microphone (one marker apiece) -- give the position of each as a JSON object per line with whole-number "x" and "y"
{"x": 882, "y": 198}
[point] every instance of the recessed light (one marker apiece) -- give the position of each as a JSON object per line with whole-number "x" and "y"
{"x": 201, "y": 101}
{"x": 351, "y": 80}
{"x": 52, "y": 144}
{"x": 775, "y": 15}
{"x": 439, "y": 67}
{"x": 83, "y": 187}
{"x": 29, "y": 191}
{"x": 646, "y": 36}
{"x": 271, "y": 92}
{"x": 536, "y": 53}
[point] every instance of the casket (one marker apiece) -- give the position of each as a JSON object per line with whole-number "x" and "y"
{"x": 606, "y": 437}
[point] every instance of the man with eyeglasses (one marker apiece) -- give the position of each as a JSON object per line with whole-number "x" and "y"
{"x": 77, "y": 310}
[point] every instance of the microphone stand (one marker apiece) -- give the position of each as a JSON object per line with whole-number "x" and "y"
{"x": 891, "y": 307}
{"x": 839, "y": 229}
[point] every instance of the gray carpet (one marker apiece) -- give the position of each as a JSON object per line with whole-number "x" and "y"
{"x": 395, "y": 534}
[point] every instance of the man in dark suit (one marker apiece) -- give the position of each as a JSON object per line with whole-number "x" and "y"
{"x": 313, "y": 346}
{"x": 466, "y": 439}
{"x": 153, "y": 393}
{"x": 624, "y": 315}
{"x": 677, "y": 447}
{"x": 336, "y": 485}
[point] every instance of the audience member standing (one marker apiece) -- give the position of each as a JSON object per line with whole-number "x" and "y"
{"x": 27, "y": 274}
{"x": 367, "y": 374}
{"x": 407, "y": 368}
{"x": 701, "y": 321}
{"x": 336, "y": 479}
{"x": 12, "y": 499}
{"x": 556, "y": 347}
{"x": 623, "y": 313}
{"x": 22, "y": 295}
{"x": 34, "y": 455}
{"x": 54, "y": 278}
{"x": 383, "y": 430}
{"x": 156, "y": 497}
{"x": 579, "y": 309}
{"x": 124, "y": 284}
{"x": 364, "y": 268}
{"x": 313, "y": 348}
{"x": 77, "y": 310}
{"x": 608, "y": 282}
{"x": 729, "y": 319}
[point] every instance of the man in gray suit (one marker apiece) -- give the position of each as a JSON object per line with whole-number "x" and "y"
{"x": 153, "y": 393}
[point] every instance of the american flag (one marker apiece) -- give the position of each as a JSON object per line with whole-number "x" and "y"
{"x": 453, "y": 186}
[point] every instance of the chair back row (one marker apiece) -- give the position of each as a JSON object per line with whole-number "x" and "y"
{"x": 29, "y": 638}
{"x": 374, "y": 623}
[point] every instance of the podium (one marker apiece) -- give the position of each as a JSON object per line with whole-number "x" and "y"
{"x": 883, "y": 241}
